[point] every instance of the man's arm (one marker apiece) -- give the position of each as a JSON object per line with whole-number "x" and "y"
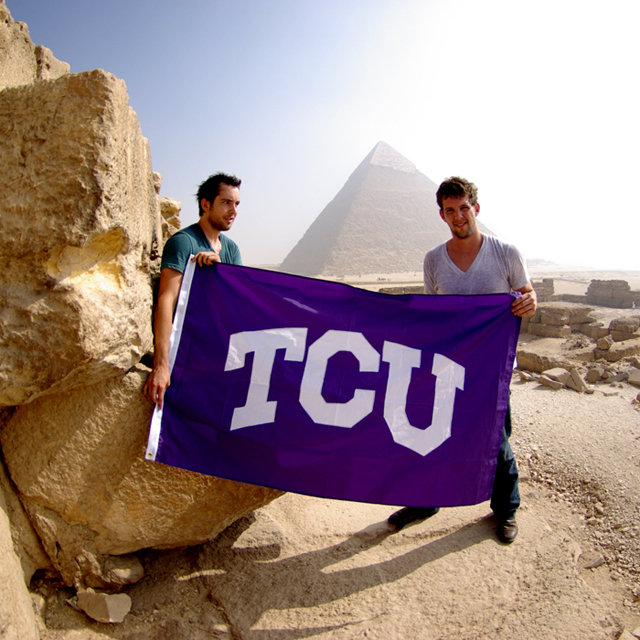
{"x": 527, "y": 303}
{"x": 159, "y": 378}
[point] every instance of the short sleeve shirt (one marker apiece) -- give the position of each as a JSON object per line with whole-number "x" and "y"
{"x": 191, "y": 240}
{"x": 498, "y": 268}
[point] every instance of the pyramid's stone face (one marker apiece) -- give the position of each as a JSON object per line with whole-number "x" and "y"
{"x": 383, "y": 220}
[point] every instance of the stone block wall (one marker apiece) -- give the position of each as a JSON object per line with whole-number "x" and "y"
{"x": 544, "y": 288}
{"x": 396, "y": 291}
{"x": 613, "y": 293}
{"x": 558, "y": 321}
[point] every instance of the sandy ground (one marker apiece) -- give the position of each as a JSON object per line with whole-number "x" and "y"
{"x": 305, "y": 567}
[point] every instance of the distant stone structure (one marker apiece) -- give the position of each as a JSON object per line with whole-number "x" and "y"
{"x": 544, "y": 289}
{"x": 613, "y": 293}
{"x": 383, "y": 220}
{"x": 616, "y": 294}
{"x": 553, "y": 320}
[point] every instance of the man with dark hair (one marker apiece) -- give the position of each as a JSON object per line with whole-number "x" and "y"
{"x": 457, "y": 188}
{"x": 218, "y": 199}
{"x": 472, "y": 263}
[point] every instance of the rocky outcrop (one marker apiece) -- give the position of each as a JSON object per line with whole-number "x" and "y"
{"x": 17, "y": 618}
{"x": 170, "y": 210}
{"x": 26, "y": 543}
{"x": 77, "y": 459}
{"x": 79, "y": 235}
{"x": 22, "y": 62}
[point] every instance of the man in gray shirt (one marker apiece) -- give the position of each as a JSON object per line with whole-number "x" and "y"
{"x": 473, "y": 263}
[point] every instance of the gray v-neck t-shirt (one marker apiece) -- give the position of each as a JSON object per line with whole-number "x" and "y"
{"x": 498, "y": 268}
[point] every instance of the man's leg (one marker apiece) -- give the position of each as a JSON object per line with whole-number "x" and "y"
{"x": 505, "y": 498}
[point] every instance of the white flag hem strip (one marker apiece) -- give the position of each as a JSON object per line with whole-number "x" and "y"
{"x": 174, "y": 342}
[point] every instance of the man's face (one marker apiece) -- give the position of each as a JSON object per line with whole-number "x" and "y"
{"x": 221, "y": 213}
{"x": 460, "y": 215}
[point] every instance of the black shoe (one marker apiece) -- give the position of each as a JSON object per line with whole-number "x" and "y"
{"x": 507, "y": 531}
{"x": 409, "y": 515}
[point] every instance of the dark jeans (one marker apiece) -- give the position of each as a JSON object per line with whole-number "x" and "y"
{"x": 505, "y": 498}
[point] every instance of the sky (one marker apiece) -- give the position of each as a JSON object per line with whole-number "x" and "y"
{"x": 535, "y": 102}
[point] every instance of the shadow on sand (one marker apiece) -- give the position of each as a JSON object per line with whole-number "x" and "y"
{"x": 245, "y": 583}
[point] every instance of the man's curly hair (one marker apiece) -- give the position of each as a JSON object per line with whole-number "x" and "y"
{"x": 455, "y": 187}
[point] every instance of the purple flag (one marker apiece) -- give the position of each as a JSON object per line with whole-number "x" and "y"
{"x": 320, "y": 388}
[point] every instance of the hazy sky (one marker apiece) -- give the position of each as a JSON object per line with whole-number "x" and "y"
{"x": 536, "y": 102}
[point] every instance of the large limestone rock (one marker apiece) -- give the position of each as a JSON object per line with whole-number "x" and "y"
{"x": 531, "y": 361}
{"x": 79, "y": 235}
{"x": 77, "y": 459}
{"x": 26, "y": 543}
{"x": 21, "y": 62}
{"x": 17, "y": 618}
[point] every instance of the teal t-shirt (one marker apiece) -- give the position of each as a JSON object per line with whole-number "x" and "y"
{"x": 192, "y": 240}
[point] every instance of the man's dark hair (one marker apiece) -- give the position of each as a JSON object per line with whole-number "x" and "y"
{"x": 210, "y": 188}
{"x": 455, "y": 187}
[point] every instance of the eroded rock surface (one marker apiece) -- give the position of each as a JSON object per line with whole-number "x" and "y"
{"x": 79, "y": 235}
{"x": 22, "y": 62}
{"x": 77, "y": 459}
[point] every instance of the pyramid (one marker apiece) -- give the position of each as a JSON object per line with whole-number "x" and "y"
{"x": 383, "y": 220}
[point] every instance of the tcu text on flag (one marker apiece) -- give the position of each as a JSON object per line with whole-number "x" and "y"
{"x": 402, "y": 359}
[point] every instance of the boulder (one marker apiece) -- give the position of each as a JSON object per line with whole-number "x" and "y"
{"x": 80, "y": 235}
{"x": 170, "y": 210}
{"x": 576, "y": 382}
{"x": 530, "y": 361}
{"x": 104, "y": 607}
{"x": 17, "y": 618}
{"x": 549, "y": 382}
{"x": 625, "y": 325}
{"x": 595, "y": 374}
{"x": 21, "y": 62}
{"x": 559, "y": 374}
{"x": 622, "y": 329}
{"x": 618, "y": 351}
{"x": 605, "y": 343}
{"x": 77, "y": 460}
{"x": 594, "y": 330}
{"x": 26, "y": 543}
{"x": 634, "y": 378}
